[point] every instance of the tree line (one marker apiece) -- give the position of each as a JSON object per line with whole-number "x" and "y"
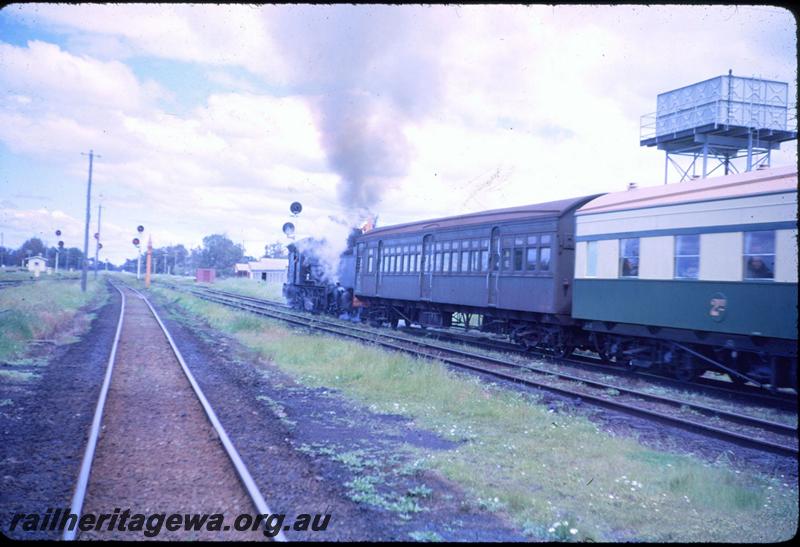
{"x": 217, "y": 251}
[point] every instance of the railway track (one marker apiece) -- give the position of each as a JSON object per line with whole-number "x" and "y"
{"x": 738, "y": 428}
{"x": 151, "y": 405}
{"x": 741, "y": 393}
{"x": 715, "y": 388}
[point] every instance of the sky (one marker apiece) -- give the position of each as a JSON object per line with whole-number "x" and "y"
{"x": 213, "y": 119}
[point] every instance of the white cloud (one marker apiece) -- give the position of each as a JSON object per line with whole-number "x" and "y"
{"x": 57, "y": 79}
{"x": 499, "y": 105}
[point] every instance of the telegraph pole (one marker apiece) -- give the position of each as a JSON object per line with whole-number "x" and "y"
{"x": 149, "y": 262}
{"x": 97, "y": 243}
{"x": 85, "y": 268}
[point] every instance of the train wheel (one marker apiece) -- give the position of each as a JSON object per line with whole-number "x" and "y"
{"x": 394, "y": 322}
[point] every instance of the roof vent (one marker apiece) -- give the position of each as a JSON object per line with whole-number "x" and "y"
{"x": 632, "y": 186}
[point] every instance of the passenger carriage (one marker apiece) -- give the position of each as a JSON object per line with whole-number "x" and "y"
{"x": 693, "y": 276}
{"x": 512, "y": 267}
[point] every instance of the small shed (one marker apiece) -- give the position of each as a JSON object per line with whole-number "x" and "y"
{"x": 205, "y": 275}
{"x": 241, "y": 270}
{"x": 36, "y": 264}
{"x": 271, "y": 270}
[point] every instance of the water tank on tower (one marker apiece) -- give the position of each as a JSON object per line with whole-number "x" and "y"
{"x": 720, "y": 119}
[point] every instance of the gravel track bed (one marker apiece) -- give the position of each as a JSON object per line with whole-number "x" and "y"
{"x": 46, "y": 424}
{"x": 287, "y": 433}
{"x": 157, "y": 451}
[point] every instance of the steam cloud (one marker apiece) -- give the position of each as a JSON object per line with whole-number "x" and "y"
{"x": 367, "y": 71}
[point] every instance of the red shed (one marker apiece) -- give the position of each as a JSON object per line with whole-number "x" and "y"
{"x": 205, "y": 275}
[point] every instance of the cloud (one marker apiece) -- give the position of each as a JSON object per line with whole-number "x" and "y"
{"x": 48, "y": 76}
{"x": 411, "y": 111}
{"x": 217, "y": 35}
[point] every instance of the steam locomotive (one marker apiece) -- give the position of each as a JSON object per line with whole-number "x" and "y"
{"x": 681, "y": 278}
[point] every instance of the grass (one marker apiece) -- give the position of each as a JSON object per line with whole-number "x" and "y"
{"x": 518, "y": 457}
{"x": 246, "y": 287}
{"x": 42, "y": 310}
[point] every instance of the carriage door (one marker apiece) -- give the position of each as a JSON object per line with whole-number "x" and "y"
{"x": 379, "y": 268}
{"x": 426, "y": 268}
{"x": 492, "y": 278}
{"x": 360, "y": 266}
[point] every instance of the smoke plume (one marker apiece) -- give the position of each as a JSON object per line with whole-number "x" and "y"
{"x": 368, "y": 71}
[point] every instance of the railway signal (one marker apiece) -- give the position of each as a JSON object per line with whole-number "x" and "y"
{"x": 296, "y": 207}
{"x": 136, "y": 242}
{"x": 288, "y": 229}
{"x": 58, "y": 249}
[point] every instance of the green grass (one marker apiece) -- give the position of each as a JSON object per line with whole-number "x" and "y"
{"x": 18, "y": 376}
{"x": 516, "y": 456}
{"x": 42, "y": 310}
{"x": 247, "y": 287}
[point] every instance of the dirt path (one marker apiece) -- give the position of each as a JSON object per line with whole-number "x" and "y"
{"x": 157, "y": 452}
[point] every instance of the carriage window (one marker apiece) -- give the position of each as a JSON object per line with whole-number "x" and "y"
{"x": 759, "y": 255}
{"x": 546, "y": 239}
{"x": 629, "y": 257}
{"x": 530, "y": 259}
{"x": 446, "y": 245}
{"x": 544, "y": 259}
{"x": 476, "y": 259}
{"x": 591, "y": 259}
{"x": 475, "y": 243}
{"x": 438, "y": 262}
{"x": 446, "y": 261}
{"x": 533, "y": 240}
{"x": 406, "y": 268}
{"x": 484, "y": 243}
{"x": 506, "y": 259}
{"x": 464, "y": 261}
{"x": 518, "y": 260}
{"x": 687, "y": 256}
{"x": 485, "y": 260}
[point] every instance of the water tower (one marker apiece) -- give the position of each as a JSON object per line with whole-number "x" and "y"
{"x": 720, "y": 119}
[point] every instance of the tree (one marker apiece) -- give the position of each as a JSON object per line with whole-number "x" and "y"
{"x": 220, "y": 253}
{"x": 275, "y": 250}
{"x": 32, "y": 247}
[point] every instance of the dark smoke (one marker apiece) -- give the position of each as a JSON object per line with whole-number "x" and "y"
{"x": 369, "y": 70}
